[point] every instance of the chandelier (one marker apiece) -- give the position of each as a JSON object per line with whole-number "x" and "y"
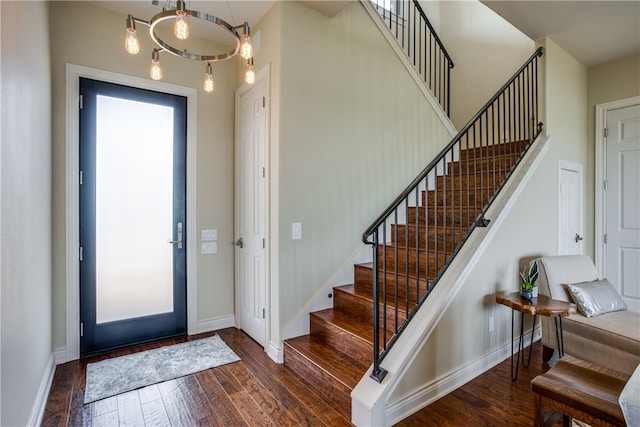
{"x": 180, "y": 16}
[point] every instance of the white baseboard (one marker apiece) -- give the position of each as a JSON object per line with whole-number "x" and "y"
{"x": 433, "y": 391}
{"x": 37, "y": 412}
{"x": 275, "y": 353}
{"x": 60, "y": 355}
{"x": 213, "y": 324}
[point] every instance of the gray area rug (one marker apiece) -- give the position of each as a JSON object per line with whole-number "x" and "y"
{"x": 121, "y": 374}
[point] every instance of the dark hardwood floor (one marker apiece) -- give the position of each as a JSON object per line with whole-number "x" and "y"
{"x": 258, "y": 392}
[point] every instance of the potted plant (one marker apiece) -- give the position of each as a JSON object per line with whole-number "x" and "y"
{"x": 529, "y": 278}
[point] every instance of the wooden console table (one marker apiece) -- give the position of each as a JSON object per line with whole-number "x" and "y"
{"x": 541, "y": 305}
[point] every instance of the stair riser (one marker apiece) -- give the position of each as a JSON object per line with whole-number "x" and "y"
{"x": 493, "y": 164}
{"x": 466, "y": 197}
{"x": 472, "y": 181}
{"x": 341, "y": 340}
{"x": 364, "y": 283}
{"x": 407, "y": 261}
{"x": 363, "y": 309}
{"x": 494, "y": 149}
{"x": 352, "y": 305}
{"x": 451, "y": 239}
{"x": 333, "y": 391}
{"x": 450, "y": 218}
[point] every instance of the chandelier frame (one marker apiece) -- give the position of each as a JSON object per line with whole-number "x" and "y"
{"x": 167, "y": 15}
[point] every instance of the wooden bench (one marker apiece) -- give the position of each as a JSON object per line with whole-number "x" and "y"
{"x": 580, "y": 390}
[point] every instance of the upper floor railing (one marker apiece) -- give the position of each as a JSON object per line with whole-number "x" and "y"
{"x": 415, "y": 34}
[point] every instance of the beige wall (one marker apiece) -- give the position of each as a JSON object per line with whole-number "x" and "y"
{"x": 87, "y": 35}
{"x": 606, "y": 82}
{"x": 25, "y": 275}
{"x": 462, "y": 337}
{"x": 566, "y": 122}
{"x": 486, "y": 51}
{"x": 353, "y": 131}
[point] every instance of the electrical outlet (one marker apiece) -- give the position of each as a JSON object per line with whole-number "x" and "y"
{"x": 490, "y": 323}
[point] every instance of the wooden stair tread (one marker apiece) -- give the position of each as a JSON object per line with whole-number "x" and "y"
{"x": 503, "y": 147}
{"x": 364, "y": 281}
{"x": 340, "y": 366}
{"x": 369, "y": 265}
{"x": 448, "y": 209}
{"x": 367, "y": 296}
{"x": 355, "y": 327}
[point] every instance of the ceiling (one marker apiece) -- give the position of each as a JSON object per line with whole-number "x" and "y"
{"x": 234, "y": 12}
{"x": 593, "y": 32}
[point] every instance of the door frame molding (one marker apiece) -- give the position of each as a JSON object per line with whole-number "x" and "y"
{"x": 72, "y": 204}
{"x": 601, "y": 173}
{"x": 262, "y": 75}
{"x": 571, "y": 166}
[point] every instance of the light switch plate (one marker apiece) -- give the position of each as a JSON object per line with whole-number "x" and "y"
{"x": 209, "y": 247}
{"x": 209, "y": 235}
{"x": 296, "y": 231}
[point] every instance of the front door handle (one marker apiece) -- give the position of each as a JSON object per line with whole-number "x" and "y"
{"x": 179, "y": 241}
{"x": 578, "y": 238}
{"x": 240, "y": 243}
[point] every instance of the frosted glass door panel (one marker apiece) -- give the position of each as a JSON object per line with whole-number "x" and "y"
{"x": 134, "y": 209}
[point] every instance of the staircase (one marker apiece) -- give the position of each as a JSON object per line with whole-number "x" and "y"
{"x": 417, "y": 237}
{"x": 339, "y": 348}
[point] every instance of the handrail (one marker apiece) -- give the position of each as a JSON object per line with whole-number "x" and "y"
{"x": 418, "y": 235}
{"x": 422, "y": 45}
{"x": 433, "y": 31}
{"x": 410, "y": 188}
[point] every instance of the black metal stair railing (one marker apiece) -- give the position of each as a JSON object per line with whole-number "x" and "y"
{"x": 416, "y": 238}
{"x": 415, "y": 34}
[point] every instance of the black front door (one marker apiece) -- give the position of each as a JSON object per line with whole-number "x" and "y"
{"x": 132, "y": 215}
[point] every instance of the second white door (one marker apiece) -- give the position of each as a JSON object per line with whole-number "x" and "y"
{"x": 251, "y": 222}
{"x": 570, "y": 240}
{"x": 622, "y": 248}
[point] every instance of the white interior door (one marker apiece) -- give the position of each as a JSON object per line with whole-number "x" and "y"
{"x": 251, "y": 219}
{"x": 570, "y": 234}
{"x": 622, "y": 203}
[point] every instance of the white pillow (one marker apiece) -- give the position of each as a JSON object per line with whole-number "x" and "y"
{"x": 595, "y": 298}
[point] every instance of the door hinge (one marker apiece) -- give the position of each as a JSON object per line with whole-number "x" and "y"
{"x": 81, "y": 102}
{"x": 81, "y": 253}
{"x": 81, "y": 177}
{"x": 605, "y": 239}
{"x": 264, "y": 243}
{"x": 81, "y": 329}
{"x": 606, "y": 132}
{"x": 264, "y": 173}
{"x": 606, "y": 184}
{"x": 264, "y": 102}
{"x": 263, "y": 313}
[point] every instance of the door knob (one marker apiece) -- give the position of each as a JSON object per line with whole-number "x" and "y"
{"x": 179, "y": 241}
{"x": 578, "y": 238}
{"x": 239, "y": 242}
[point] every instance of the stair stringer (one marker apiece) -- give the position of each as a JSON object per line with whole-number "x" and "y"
{"x": 411, "y": 69}
{"x": 370, "y": 405}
